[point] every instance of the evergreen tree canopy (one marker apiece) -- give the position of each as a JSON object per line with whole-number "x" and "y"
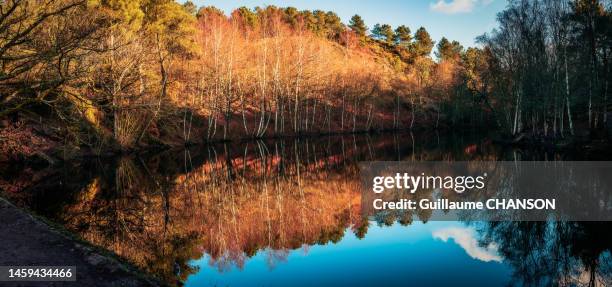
{"x": 402, "y": 35}
{"x": 423, "y": 43}
{"x": 358, "y": 25}
{"x": 448, "y": 50}
{"x": 383, "y": 32}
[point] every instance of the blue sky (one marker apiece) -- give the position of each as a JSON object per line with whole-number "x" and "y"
{"x": 461, "y": 20}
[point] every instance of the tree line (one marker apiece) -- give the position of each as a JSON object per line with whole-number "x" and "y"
{"x": 123, "y": 74}
{"x": 547, "y": 66}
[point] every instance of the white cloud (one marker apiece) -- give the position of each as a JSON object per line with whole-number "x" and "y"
{"x": 466, "y": 238}
{"x": 457, "y": 6}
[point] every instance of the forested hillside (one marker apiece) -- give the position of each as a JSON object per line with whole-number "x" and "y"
{"x": 93, "y": 76}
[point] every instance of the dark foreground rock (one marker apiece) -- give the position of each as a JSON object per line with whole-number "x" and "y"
{"x": 28, "y": 241}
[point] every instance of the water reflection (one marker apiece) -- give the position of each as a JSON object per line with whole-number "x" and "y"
{"x": 554, "y": 253}
{"x": 284, "y": 210}
{"x": 468, "y": 240}
{"x": 388, "y": 256}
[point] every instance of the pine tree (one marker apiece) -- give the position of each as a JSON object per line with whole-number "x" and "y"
{"x": 358, "y": 25}
{"x": 423, "y": 43}
{"x": 402, "y": 35}
{"x": 383, "y": 32}
{"x": 376, "y": 31}
{"x": 448, "y": 50}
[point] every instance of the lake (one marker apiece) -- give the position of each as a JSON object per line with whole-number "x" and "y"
{"x": 288, "y": 213}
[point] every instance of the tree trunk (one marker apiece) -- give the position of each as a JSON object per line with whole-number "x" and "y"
{"x": 567, "y": 95}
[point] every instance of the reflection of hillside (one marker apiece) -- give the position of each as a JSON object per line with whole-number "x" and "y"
{"x": 228, "y": 219}
{"x": 228, "y": 207}
{"x": 228, "y": 201}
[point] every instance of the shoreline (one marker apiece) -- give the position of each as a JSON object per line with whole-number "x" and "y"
{"x": 28, "y": 240}
{"x": 61, "y": 154}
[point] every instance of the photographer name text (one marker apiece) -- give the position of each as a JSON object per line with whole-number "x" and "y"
{"x": 446, "y": 204}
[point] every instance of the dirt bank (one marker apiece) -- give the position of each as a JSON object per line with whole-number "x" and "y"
{"x": 27, "y": 240}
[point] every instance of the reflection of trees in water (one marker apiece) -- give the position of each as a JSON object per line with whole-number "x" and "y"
{"x": 554, "y": 253}
{"x": 229, "y": 201}
{"x": 272, "y": 199}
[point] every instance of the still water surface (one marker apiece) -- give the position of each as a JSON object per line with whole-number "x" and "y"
{"x": 287, "y": 213}
{"x": 387, "y": 256}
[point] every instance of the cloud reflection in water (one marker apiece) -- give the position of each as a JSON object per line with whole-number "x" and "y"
{"x": 466, "y": 238}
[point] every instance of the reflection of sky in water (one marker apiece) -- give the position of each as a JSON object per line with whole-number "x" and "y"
{"x": 432, "y": 254}
{"x": 466, "y": 238}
